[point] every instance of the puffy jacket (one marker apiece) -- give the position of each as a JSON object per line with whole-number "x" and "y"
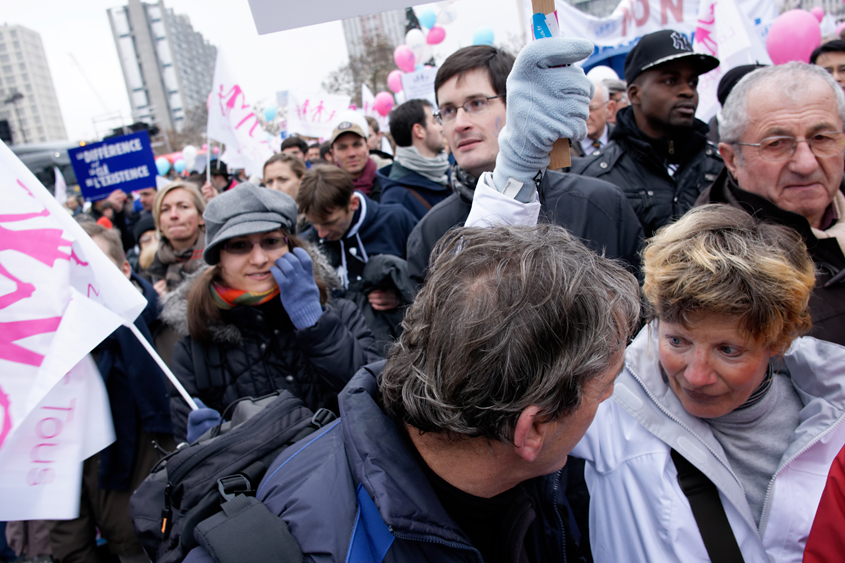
{"x": 637, "y": 509}
{"x": 262, "y": 352}
{"x": 631, "y": 162}
{"x": 356, "y": 493}
{"x": 827, "y": 302}
{"x": 593, "y": 210}
{"x": 397, "y": 183}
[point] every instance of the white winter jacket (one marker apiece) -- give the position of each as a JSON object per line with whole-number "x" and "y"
{"x": 638, "y": 512}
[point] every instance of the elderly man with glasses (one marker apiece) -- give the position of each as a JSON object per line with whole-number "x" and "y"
{"x": 782, "y": 142}
{"x": 471, "y": 93}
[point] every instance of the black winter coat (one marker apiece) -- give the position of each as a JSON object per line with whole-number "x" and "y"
{"x": 631, "y": 162}
{"x": 827, "y": 302}
{"x": 593, "y": 210}
{"x": 261, "y": 352}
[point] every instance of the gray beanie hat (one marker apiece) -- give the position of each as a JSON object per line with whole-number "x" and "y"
{"x": 245, "y": 210}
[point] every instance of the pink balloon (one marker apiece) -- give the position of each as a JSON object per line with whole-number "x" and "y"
{"x": 839, "y": 28}
{"x": 793, "y": 37}
{"x": 435, "y": 35}
{"x": 404, "y": 58}
{"x": 205, "y": 146}
{"x": 818, "y": 11}
{"x": 216, "y": 150}
{"x": 394, "y": 81}
{"x": 383, "y": 103}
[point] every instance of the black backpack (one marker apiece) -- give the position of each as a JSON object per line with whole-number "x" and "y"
{"x": 210, "y": 486}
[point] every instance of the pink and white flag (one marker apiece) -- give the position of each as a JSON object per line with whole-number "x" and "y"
{"x": 314, "y": 114}
{"x": 60, "y": 296}
{"x": 727, "y": 33}
{"x": 232, "y": 122}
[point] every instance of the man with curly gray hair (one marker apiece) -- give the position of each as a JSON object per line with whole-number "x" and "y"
{"x": 454, "y": 449}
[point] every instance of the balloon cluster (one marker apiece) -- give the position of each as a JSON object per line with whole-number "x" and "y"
{"x": 794, "y": 36}
{"x": 417, "y": 49}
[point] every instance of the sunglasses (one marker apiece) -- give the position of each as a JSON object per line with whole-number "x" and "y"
{"x": 268, "y": 244}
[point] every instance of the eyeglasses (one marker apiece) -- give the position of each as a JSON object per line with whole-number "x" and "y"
{"x": 241, "y": 247}
{"x": 472, "y": 107}
{"x": 778, "y": 149}
{"x": 598, "y": 107}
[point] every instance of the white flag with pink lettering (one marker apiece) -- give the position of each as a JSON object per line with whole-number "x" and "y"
{"x": 232, "y": 122}
{"x": 60, "y": 296}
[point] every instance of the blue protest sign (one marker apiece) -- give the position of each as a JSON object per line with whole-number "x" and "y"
{"x": 123, "y": 163}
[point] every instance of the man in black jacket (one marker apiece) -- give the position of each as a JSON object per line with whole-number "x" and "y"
{"x": 658, "y": 153}
{"x": 782, "y": 141}
{"x": 471, "y": 89}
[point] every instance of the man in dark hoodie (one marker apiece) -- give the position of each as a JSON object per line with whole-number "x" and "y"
{"x": 658, "y": 153}
{"x": 418, "y": 177}
{"x": 471, "y": 93}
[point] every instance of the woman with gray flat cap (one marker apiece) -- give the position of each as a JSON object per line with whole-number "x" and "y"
{"x": 261, "y": 314}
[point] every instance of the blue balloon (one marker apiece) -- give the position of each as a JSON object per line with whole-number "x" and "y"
{"x": 162, "y": 166}
{"x": 427, "y": 18}
{"x": 419, "y": 66}
{"x": 483, "y": 36}
{"x": 179, "y": 165}
{"x": 270, "y": 113}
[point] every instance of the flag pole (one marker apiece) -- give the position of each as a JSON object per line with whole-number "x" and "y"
{"x": 162, "y": 365}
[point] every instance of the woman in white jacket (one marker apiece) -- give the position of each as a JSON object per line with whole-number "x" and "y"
{"x": 719, "y": 376}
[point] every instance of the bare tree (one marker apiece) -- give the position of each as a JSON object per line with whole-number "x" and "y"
{"x": 371, "y": 68}
{"x": 193, "y": 130}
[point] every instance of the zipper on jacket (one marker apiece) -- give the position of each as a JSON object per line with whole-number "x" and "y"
{"x": 559, "y": 517}
{"x": 799, "y": 453}
{"x": 432, "y": 539}
{"x": 685, "y": 427}
{"x": 671, "y": 146}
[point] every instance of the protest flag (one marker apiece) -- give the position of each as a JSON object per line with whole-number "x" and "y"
{"x": 232, "y": 122}
{"x": 60, "y": 296}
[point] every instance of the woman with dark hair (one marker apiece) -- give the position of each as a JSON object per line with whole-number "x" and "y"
{"x": 725, "y": 420}
{"x": 260, "y": 315}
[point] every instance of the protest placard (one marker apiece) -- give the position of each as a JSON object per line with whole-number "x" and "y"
{"x": 121, "y": 163}
{"x": 313, "y": 114}
{"x": 420, "y": 84}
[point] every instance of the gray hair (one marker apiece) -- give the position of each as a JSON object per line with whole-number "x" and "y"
{"x": 790, "y": 78}
{"x": 603, "y": 93}
{"x": 510, "y": 317}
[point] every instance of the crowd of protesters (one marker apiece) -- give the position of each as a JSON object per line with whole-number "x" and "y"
{"x": 467, "y": 313}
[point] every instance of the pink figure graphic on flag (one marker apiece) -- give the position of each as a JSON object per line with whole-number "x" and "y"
{"x": 16, "y": 330}
{"x": 703, "y": 33}
{"x": 318, "y": 112}
{"x": 5, "y": 416}
{"x": 254, "y": 125}
{"x": 228, "y": 101}
{"x": 302, "y": 111}
{"x": 22, "y": 290}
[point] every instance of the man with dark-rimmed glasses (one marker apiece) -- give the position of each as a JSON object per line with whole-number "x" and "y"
{"x": 782, "y": 141}
{"x": 471, "y": 94}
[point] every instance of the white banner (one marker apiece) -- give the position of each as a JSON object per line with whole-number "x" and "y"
{"x": 726, "y": 33}
{"x": 420, "y": 84}
{"x": 232, "y": 122}
{"x": 634, "y": 18}
{"x": 271, "y": 15}
{"x": 314, "y": 114}
{"x": 60, "y": 296}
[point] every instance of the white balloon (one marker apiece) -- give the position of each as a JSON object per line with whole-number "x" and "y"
{"x": 189, "y": 153}
{"x": 601, "y": 72}
{"x": 415, "y": 40}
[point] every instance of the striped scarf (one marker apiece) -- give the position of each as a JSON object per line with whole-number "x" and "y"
{"x": 225, "y": 297}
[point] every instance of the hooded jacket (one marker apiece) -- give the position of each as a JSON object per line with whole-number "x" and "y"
{"x": 638, "y": 511}
{"x": 631, "y": 161}
{"x": 593, "y": 210}
{"x": 357, "y": 493}
{"x": 397, "y": 184}
{"x": 827, "y": 302}
{"x": 261, "y": 352}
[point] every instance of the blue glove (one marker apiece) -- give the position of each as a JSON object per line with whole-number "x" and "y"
{"x": 544, "y": 104}
{"x": 200, "y": 420}
{"x": 299, "y": 292}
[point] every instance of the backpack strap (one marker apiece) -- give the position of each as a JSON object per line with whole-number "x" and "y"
{"x": 208, "y": 372}
{"x": 420, "y": 198}
{"x": 709, "y": 514}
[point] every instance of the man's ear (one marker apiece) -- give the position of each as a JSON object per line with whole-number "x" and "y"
{"x": 530, "y": 434}
{"x": 730, "y": 156}
{"x": 418, "y": 131}
{"x": 126, "y": 269}
{"x": 354, "y": 203}
{"x": 634, "y": 93}
{"x": 611, "y": 105}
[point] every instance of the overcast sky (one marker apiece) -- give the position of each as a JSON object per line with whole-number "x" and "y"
{"x": 86, "y": 71}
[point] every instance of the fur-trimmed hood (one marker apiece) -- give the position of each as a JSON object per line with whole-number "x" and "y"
{"x": 174, "y": 311}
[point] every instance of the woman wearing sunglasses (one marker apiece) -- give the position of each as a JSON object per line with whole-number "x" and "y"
{"x": 260, "y": 317}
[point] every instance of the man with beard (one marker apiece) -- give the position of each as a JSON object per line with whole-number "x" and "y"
{"x": 658, "y": 153}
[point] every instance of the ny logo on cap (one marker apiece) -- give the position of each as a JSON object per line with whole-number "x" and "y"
{"x": 680, "y": 41}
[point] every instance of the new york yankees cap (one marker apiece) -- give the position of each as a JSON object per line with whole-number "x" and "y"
{"x": 661, "y": 47}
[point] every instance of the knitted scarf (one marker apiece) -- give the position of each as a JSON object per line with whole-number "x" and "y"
{"x": 432, "y": 168}
{"x": 225, "y": 297}
{"x": 364, "y": 183}
{"x": 179, "y": 264}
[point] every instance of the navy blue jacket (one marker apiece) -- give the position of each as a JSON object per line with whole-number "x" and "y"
{"x": 396, "y": 181}
{"x": 355, "y": 493}
{"x": 137, "y": 392}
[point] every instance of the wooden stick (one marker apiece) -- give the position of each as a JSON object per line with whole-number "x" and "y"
{"x": 560, "y": 150}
